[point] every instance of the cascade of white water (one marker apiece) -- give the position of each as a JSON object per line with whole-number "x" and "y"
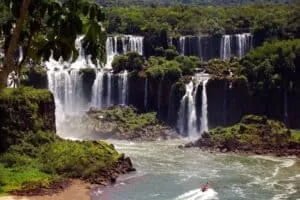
{"x": 109, "y": 89}
{"x": 129, "y": 43}
{"x": 123, "y": 87}
{"x": 111, "y": 51}
{"x": 204, "y": 120}
{"x": 187, "y": 116}
{"x": 225, "y": 47}
{"x": 65, "y": 81}
{"x": 146, "y": 94}
{"x": 97, "y": 90}
{"x": 136, "y": 44}
{"x": 243, "y": 43}
{"x": 132, "y": 43}
{"x": 182, "y": 45}
{"x": 187, "y": 105}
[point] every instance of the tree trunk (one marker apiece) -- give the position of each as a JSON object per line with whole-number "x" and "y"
{"x": 9, "y": 63}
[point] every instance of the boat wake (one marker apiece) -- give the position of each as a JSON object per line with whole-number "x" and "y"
{"x": 197, "y": 194}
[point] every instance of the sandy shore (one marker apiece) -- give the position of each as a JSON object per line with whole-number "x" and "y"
{"x": 78, "y": 190}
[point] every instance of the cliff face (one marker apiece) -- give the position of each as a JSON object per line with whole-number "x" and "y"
{"x": 228, "y": 102}
{"x": 25, "y": 111}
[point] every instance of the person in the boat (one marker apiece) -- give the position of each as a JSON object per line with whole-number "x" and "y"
{"x": 205, "y": 187}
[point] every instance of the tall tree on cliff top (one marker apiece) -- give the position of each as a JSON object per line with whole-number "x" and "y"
{"x": 40, "y": 26}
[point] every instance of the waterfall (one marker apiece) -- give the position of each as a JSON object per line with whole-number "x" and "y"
{"x": 65, "y": 81}
{"x": 244, "y": 43}
{"x": 132, "y": 43}
{"x": 204, "y": 120}
{"x": 123, "y": 87}
{"x": 66, "y": 85}
{"x": 111, "y": 51}
{"x": 182, "y": 45}
{"x": 129, "y": 43}
{"x": 205, "y": 47}
{"x": 97, "y": 90}
{"x": 187, "y": 112}
{"x": 108, "y": 97}
{"x": 225, "y": 47}
{"x": 146, "y": 94}
{"x": 187, "y": 116}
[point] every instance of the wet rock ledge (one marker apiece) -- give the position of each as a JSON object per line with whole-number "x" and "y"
{"x": 122, "y": 122}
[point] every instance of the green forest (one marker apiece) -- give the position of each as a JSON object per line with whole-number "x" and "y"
{"x": 187, "y": 2}
{"x": 265, "y": 21}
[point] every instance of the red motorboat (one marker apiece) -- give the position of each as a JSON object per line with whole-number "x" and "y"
{"x": 205, "y": 187}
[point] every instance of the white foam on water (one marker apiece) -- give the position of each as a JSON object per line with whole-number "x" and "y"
{"x": 290, "y": 189}
{"x": 197, "y": 194}
{"x": 238, "y": 190}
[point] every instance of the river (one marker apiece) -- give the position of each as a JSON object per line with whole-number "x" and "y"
{"x": 165, "y": 172}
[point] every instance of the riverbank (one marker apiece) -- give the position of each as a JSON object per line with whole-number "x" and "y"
{"x": 76, "y": 190}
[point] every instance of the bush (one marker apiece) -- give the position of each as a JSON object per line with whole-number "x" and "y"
{"x": 22, "y": 114}
{"x": 77, "y": 159}
{"x": 131, "y": 61}
{"x": 170, "y": 54}
{"x": 161, "y": 68}
{"x": 128, "y": 119}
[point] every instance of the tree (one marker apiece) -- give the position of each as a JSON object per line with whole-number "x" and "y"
{"x": 9, "y": 64}
{"x": 45, "y": 25}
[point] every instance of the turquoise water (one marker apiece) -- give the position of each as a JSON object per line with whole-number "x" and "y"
{"x": 165, "y": 172}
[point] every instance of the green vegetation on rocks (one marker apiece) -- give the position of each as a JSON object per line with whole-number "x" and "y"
{"x": 274, "y": 65}
{"x": 253, "y": 133}
{"x": 127, "y": 118}
{"x": 131, "y": 61}
{"x": 167, "y": 64}
{"x": 34, "y": 159}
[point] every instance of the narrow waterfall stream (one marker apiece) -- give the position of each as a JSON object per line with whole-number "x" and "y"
{"x": 225, "y": 47}
{"x": 123, "y": 87}
{"x": 204, "y": 120}
{"x": 97, "y": 90}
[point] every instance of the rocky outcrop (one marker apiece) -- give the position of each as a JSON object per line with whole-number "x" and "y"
{"x": 254, "y": 134}
{"x": 109, "y": 176}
